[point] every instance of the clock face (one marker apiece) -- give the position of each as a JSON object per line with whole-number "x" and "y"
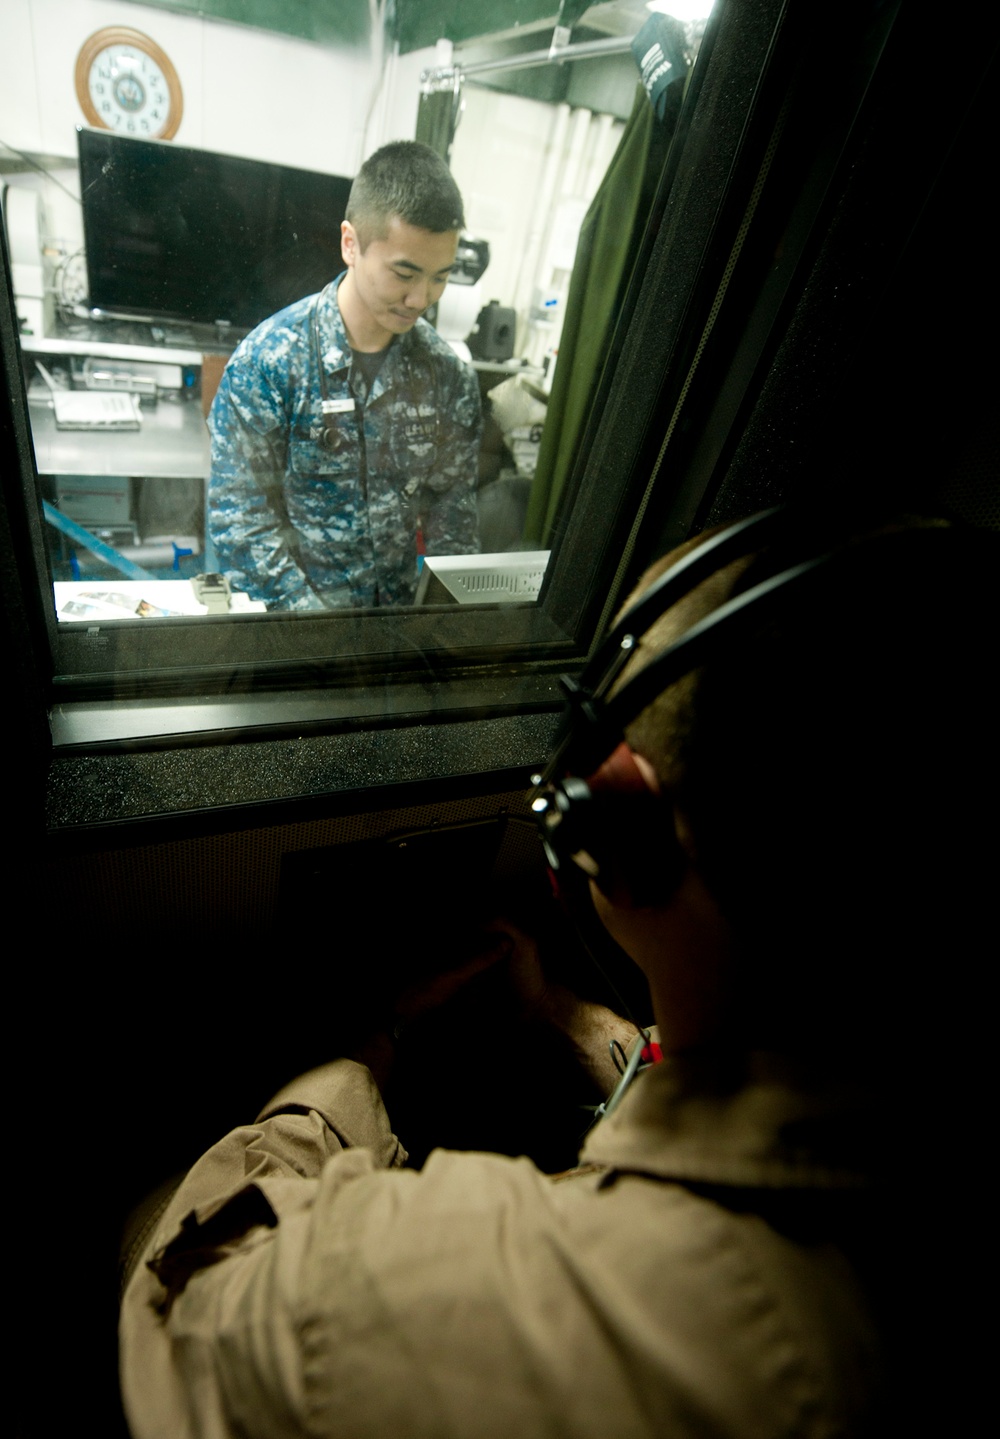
{"x": 126, "y": 83}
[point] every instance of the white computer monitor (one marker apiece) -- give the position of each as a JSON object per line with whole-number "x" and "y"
{"x": 503, "y": 579}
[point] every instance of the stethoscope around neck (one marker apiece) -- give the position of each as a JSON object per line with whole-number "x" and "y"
{"x": 332, "y": 437}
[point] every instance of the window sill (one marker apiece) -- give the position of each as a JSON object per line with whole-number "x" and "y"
{"x": 276, "y": 770}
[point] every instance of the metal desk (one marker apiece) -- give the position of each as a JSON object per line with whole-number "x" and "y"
{"x": 172, "y": 443}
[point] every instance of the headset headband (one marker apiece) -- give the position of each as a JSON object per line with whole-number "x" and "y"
{"x": 593, "y": 726}
{"x": 689, "y": 571}
{"x": 600, "y": 835}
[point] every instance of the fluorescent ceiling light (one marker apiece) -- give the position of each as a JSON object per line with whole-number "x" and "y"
{"x": 682, "y": 9}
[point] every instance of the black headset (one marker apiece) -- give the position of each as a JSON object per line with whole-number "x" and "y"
{"x": 597, "y": 833}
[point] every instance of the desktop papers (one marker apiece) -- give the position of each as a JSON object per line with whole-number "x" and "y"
{"x": 96, "y": 410}
{"x": 96, "y": 602}
{"x": 110, "y": 605}
{"x": 92, "y": 409}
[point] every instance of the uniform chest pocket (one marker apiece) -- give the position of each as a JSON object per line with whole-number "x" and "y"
{"x": 312, "y": 453}
{"x": 413, "y": 448}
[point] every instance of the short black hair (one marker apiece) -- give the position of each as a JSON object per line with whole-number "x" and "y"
{"x": 407, "y": 179}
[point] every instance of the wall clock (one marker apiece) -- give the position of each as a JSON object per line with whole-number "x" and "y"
{"x": 126, "y": 83}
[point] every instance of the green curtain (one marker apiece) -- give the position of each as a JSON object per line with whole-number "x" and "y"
{"x": 606, "y": 253}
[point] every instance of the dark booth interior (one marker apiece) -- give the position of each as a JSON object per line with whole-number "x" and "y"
{"x": 196, "y": 915}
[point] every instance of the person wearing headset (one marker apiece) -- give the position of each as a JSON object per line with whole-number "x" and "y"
{"x": 345, "y": 432}
{"x": 768, "y": 784}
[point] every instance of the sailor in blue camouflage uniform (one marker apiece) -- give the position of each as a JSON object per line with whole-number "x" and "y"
{"x": 343, "y": 426}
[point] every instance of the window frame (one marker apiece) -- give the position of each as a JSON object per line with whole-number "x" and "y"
{"x": 668, "y": 352}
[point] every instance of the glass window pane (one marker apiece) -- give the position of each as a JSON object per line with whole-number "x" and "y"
{"x": 126, "y": 327}
{"x": 145, "y": 246}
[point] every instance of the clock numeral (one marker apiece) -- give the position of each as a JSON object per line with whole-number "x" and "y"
{"x": 126, "y": 88}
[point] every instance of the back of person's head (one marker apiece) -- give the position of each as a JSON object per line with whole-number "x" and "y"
{"x": 837, "y": 769}
{"x": 408, "y": 180}
{"x": 837, "y": 772}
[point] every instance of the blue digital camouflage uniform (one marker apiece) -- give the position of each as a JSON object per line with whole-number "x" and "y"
{"x": 306, "y": 527}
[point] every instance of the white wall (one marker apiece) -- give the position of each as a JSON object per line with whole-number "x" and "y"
{"x": 246, "y": 92}
{"x": 527, "y": 172}
{"x": 394, "y": 112}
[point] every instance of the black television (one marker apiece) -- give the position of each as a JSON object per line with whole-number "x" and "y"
{"x": 181, "y": 234}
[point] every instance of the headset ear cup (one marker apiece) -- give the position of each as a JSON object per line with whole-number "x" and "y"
{"x": 625, "y": 842}
{"x": 640, "y": 860}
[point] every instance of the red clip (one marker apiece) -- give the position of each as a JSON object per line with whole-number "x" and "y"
{"x": 652, "y": 1053}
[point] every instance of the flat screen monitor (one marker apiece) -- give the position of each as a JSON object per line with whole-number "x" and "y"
{"x": 184, "y": 234}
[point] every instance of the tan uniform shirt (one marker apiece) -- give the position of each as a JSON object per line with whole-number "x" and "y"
{"x": 314, "y": 1286}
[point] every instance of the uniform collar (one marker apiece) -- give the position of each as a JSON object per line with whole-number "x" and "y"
{"x": 768, "y": 1128}
{"x": 335, "y": 347}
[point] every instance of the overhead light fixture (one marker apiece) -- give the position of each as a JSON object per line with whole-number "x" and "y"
{"x": 683, "y": 10}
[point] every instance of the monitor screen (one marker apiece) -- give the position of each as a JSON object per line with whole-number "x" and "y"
{"x": 190, "y": 235}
